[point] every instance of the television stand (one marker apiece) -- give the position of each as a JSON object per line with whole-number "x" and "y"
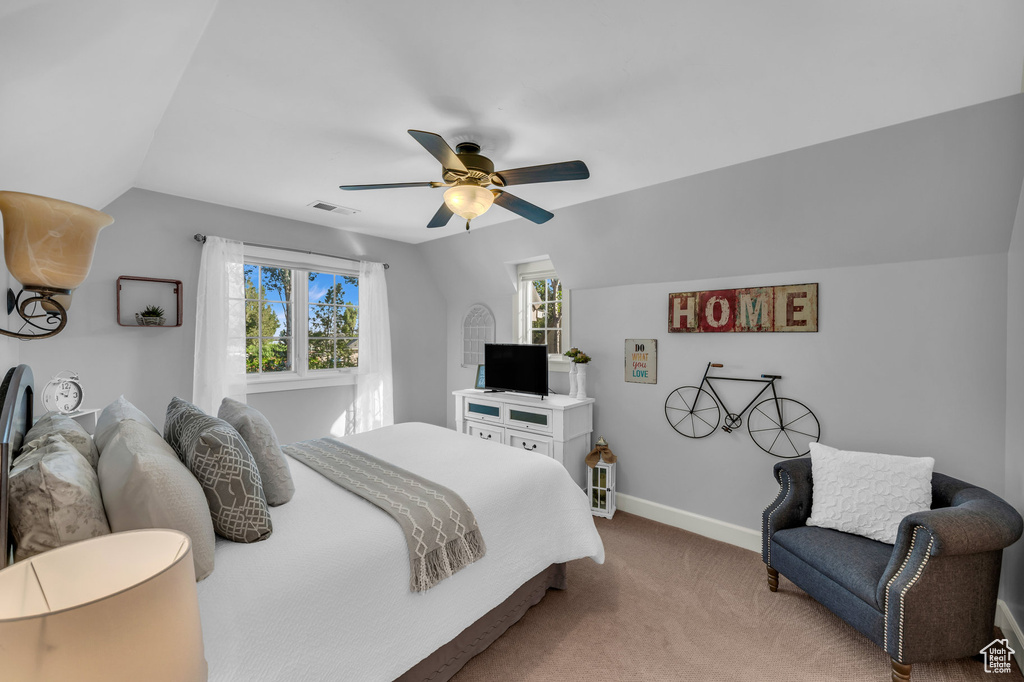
{"x": 556, "y": 425}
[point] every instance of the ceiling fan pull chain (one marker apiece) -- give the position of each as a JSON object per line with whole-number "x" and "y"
{"x": 467, "y": 225}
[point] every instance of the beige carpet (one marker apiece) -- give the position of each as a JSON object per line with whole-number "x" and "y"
{"x": 671, "y": 605}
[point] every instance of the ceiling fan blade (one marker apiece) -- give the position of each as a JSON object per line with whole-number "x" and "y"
{"x": 521, "y": 207}
{"x": 551, "y": 172}
{"x": 440, "y": 150}
{"x": 394, "y": 185}
{"x": 441, "y": 218}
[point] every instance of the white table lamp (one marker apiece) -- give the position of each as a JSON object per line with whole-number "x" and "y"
{"x": 115, "y": 608}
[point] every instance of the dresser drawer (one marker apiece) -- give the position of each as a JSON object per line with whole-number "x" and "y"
{"x": 485, "y": 432}
{"x": 530, "y": 442}
{"x": 483, "y": 410}
{"x": 529, "y": 418}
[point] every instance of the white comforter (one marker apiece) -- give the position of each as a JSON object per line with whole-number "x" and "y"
{"x": 327, "y": 596}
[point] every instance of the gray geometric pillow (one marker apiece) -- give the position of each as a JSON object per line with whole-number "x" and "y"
{"x": 73, "y": 432}
{"x": 259, "y": 435}
{"x": 54, "y": 499}
{"x": 221, "y": 462}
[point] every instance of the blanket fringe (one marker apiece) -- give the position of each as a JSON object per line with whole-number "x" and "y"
{"x": 445, "y": 561}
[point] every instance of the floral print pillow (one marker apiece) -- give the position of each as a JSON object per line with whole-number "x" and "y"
{"x": 54, "y": 499}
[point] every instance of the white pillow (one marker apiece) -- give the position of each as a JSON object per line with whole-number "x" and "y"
{"x": 112, "y": 415}
{"x": 145, "y": 485}
{"x": 866, "y": 493}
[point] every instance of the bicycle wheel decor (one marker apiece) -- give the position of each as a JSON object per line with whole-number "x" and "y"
{"x": 692, "y": 412}
{"x": 783, "y": 427}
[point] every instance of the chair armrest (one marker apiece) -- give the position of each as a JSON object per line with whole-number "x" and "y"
{"x": 791, "y": 506}
{"x": 977, "y": 522}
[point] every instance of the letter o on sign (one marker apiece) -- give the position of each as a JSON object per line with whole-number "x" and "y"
{"x": 723, "y": 311}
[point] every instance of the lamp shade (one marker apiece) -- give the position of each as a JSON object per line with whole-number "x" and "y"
{"x": 115, "y": 608}
{"x": 468, "y": 201}
{"x": 49, "y": 243}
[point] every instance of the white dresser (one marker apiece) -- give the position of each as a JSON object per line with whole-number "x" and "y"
{"x": 556, "y": 426}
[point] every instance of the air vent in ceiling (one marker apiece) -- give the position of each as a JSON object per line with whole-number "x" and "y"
{"x": 333, "y": 208}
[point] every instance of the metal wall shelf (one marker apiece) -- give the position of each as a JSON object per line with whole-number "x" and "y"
{"x": 176, "y": 292}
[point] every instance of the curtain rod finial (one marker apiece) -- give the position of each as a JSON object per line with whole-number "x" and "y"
{"x": 201, "y": 238}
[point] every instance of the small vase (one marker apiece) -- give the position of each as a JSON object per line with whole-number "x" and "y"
{"x": 572, "y": 379}
{"x": 581, "y": 381}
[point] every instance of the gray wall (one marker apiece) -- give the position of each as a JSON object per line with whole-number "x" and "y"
{"x": 1013, "y": 563}
{"x": 152, "y": 236}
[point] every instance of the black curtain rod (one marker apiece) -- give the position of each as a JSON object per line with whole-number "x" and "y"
{"x": 201, "y": 238}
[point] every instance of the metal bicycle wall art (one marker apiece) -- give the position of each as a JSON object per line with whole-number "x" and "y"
{"x": 782, "y": 427}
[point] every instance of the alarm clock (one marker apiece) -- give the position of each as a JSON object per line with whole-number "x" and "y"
{"x": 63, "y": 393}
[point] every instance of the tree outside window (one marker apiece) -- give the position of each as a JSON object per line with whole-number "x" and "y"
{"x": 268, "y": 319}
{"x": 545, "y": 314}
{"x": 333, "y": 321}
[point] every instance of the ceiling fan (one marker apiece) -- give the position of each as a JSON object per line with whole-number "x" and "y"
{"x": 467, "y": 174}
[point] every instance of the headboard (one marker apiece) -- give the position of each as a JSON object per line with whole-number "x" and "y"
{"x": 16, "y": 396}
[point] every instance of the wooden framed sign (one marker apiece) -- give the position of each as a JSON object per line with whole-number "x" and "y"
{"x": 788, "y": 308}
{"x": 642, "y": 361}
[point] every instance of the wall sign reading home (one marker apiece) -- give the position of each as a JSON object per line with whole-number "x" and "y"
{"x": 789, "y": 308}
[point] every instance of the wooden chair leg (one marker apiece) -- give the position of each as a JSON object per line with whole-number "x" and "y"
{"x": 900, "y": 672}
{"x": 773, "y": 579}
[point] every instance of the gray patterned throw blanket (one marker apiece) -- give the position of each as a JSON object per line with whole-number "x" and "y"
{"x": 439, "y": 527}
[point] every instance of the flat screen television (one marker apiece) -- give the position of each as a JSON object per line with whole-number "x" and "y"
{"x": 518, "y": 368}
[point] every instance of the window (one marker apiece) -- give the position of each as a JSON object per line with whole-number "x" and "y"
{"x": 301, "y": 321}
{"x": 542, "y": 310}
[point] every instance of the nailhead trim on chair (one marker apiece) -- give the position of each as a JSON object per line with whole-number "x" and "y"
{"x": 783, "y": 484}
{"x": 920, "y": 569}
{"x": 888, "y": 586}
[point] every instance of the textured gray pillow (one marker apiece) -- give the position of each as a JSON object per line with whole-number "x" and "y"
{"x": 218, "y": 457}
{"x": 54, "y": 499}
{"x": 72, "y": 431}
{"x": 112, "y": 415}
{"x": 145, "y": 485}
{"x": 259, "y": 435}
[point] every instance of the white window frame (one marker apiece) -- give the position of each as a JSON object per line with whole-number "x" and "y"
{"x": 528, "y": 272}
{"x": 300, "y": 376}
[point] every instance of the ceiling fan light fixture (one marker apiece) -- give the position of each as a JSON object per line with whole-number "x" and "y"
{"x": 468, "y": 201}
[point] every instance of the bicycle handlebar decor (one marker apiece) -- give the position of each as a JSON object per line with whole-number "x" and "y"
{"x": 782, "y": 427}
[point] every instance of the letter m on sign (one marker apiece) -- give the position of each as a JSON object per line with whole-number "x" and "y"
{"x": 755, "y": 310}
{"x": 682, "y": 312}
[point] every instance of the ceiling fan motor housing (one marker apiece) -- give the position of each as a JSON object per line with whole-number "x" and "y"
{"x": 480, "y": 167}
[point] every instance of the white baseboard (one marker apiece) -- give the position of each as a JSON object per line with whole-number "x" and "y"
{"x": 1011, "y": 631}
{"x": 724, "y": 531}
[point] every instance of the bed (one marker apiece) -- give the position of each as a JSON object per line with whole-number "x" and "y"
{"x": 327, "y": 597}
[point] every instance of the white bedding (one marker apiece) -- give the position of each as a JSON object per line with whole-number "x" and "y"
{"x": 327, "y": 596}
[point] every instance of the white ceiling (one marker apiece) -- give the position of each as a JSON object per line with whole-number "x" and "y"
{"x": 269, "y": 105}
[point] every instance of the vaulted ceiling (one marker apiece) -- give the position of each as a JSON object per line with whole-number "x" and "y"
{"x": 269, "y": 105}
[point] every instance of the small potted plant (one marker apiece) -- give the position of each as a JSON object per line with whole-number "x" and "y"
{"x": 152, "y": 316}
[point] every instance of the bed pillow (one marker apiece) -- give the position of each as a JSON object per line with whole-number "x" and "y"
{"x": 221, "y": 462}
{"x": 72, "y": 431}
{"x": 54, "y": 499}
{"x": 145, "y": 485}
{"x": 865, "y": 493}
{"x": 115, "y": 413}
{"x": 259, "y": 435}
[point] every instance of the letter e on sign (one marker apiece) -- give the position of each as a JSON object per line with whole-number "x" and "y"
{"x": 796, "y": 308}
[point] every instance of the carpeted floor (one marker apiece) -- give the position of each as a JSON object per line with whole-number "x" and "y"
{"x": 669, "y": 605}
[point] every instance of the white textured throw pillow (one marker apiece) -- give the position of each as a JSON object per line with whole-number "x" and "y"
{"x": 866, "y": 493}
{"x": 145, "y": 485}
{"x": 112, "y": 415}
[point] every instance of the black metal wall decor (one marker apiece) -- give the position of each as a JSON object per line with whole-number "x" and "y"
{"x": 782, "y": 427}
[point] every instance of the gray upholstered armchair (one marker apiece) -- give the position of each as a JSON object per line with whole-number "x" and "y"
{"x": 929, "y": 597}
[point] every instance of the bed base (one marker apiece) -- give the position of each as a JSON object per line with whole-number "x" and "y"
{"x": 442, "y": 665}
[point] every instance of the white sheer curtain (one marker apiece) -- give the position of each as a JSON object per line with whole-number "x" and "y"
{"x": 219, "y": 369}
{"x": 374, "y": 404}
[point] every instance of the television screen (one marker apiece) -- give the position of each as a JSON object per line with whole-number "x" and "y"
{"x": 516, "y": 367}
